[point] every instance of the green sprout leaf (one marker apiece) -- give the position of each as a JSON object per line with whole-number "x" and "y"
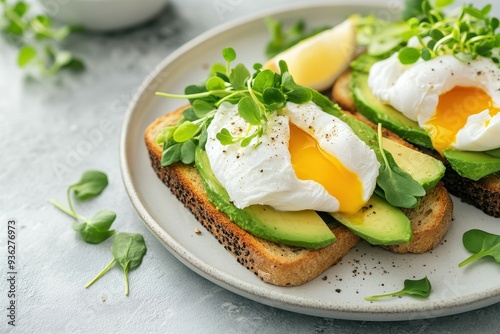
{"x": 97, "y": 229}
{"x": 398, "y": 187}
{"x": 128, "y": 250}
{"x": 171, "y": 154}
{"x": 408, "y": 55}
{"x": 202, "y": 108}
{"x": 482, "y": 244}
{"x": 26, "y": 55}
{"x": 420, "y": 288}
{"x": 249, "y": 110}
{"x": 185, "y": 131}
{"x": 225, "y": 137}
{"x": 19, "y": 26}
{"x": 91, "y": 184}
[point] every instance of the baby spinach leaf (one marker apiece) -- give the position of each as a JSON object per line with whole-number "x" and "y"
{"x": 91, "y": 184}
{"x": 399, "y": 188}
{"x": 421, "y": 288}
{"x": 128, "y": 249}
{"x": 396, "y": 185}
{"x": 96, "y": 230}
{"x": 482, "y": 244}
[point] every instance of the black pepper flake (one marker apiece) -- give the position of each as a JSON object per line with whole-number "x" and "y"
{"x": 324, "y": 278}
{"x": 338, "y": 290}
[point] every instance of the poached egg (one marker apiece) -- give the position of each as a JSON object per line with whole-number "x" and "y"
{"x": 307, "y": 160}
{"x": 456, "y": 102}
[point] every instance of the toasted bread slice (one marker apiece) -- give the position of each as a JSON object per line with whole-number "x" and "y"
{"x": 275, "y": 263}
{"x": 483, "y": 194}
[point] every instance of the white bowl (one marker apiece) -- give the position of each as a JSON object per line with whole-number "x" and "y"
{"x": 103, "y": 15}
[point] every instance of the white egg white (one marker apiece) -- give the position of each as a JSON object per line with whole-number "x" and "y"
{"x": 264, "y": 174}
{"x": 414, "y": 90}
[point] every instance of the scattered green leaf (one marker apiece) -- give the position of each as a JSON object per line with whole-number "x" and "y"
{"x": 18, "y": 27}
{"x": 421, "y": 288}
{"x": 482, "y": 244}
{"x": 128, "y": 250}
{"x": 96, "y": 229}
{"x": 90, "y": 185}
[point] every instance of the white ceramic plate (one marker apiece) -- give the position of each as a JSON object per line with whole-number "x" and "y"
{"x": 366, "y": 270}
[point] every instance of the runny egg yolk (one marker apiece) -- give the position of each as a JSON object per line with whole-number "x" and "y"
{"x": 453, "y": 109}
{"x": 311, "y": 162}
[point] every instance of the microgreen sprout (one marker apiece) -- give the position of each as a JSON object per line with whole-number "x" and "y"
{"x": 481, "y": 244}
{"x": 128, "y": 249}
{"x": 467, "y": 35}
{"x": 420, "y": 288}
{"x": 393, "y": 183}
{"x": 36, "y": 37}
{"x": 257, "y": 96}
{"x": 96, "y": 229}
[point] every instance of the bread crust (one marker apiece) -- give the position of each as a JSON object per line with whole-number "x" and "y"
{"x": 484, "y": 194}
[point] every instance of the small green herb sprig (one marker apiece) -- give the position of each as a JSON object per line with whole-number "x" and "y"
{"x": 393, "y": 183}
{"x": 421, "y": 288}
{"x": 468, "y": 35}
{"x": 257, "y": 95}
{"x": 96, "y": 229}
{"x": 128, "y": 249}
{"x": 36, "y": 38}
{"x": 481, "y": 244}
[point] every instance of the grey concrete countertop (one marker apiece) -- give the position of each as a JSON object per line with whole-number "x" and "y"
{"x": 45, "y": 126}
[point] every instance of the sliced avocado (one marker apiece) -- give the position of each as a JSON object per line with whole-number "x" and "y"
{"x": 472, "y": 165}
{"x": 378, "y": 222}
{"x": 369, "y": 105}
{"x": 297, "y": 228}
{"x": 423, "y": 168}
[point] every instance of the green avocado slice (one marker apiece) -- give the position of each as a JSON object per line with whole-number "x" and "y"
{"x": 295, "y": 228}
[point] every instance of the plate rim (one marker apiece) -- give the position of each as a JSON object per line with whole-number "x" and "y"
{"x": 295, "y": 304}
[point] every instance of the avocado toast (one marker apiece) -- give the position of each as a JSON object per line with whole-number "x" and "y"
{"x": 292, "y": 247}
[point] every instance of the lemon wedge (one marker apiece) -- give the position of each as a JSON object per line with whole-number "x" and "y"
{"x": 317, "y": 61}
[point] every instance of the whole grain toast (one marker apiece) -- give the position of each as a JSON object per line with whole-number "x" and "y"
{"x": 483, "y": 194}
{"x": 275, "y": 263}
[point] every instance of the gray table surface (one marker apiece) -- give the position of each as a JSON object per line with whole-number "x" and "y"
{"x": 42, "y": 122}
